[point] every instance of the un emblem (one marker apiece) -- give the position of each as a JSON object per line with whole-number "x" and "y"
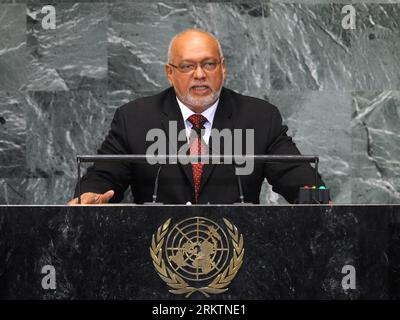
{"x": 199, "y": 255}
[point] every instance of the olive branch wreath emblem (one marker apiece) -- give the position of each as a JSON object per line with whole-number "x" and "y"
{"x": 177, "y": 284}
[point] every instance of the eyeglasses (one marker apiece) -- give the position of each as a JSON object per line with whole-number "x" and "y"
{"x": 190, "y": 67}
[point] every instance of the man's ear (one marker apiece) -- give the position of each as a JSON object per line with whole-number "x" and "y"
{"x": 224, "y": 70}
{"x": 168, "y": 72}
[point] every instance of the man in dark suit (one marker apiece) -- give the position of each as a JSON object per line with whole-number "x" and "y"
{"x": 196, "y": 70}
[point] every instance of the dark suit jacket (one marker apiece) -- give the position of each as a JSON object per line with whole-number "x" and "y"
{"x": 219, "y": 183}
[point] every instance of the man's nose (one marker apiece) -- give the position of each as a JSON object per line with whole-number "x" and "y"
{"x": 199, "y": 72}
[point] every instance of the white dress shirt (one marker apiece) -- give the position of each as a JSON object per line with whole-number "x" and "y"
{"x": 209, "y": 114}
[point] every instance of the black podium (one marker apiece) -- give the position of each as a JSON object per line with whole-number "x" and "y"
{"x": 279, "y": 252}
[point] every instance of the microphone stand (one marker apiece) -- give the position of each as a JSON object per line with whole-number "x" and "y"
{"x": 155, "y": 191}
{"x": 240, "y": 189}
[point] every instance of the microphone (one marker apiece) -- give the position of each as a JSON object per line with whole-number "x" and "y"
{"x": 155, "y": 190}
{"x": 241, "y": 196}
{"x": 240, "y": 189}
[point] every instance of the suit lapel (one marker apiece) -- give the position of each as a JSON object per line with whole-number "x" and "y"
{"x": 222, "y": 120}
{"x": 171, "y": 112}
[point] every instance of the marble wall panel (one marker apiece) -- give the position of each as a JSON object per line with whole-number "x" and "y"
{"x": 375, "y": 47}
{"x": 62, "y": 125}
{"x": 13, "y": 59}
{"x": 13, "y": 191}
{"x": 12, "y": 135}
{"x": 376, "y": 147}
{"x": 72, "y": 56}
{"x": 310, "y": 49}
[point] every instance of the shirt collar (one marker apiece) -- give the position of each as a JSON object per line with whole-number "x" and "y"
{"x": 209, "y": 113}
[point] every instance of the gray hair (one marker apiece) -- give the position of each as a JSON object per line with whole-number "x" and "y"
{"x": 169, "y": 57}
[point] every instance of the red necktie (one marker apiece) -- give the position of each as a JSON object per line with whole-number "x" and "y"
{"x": 197, "y": 147}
